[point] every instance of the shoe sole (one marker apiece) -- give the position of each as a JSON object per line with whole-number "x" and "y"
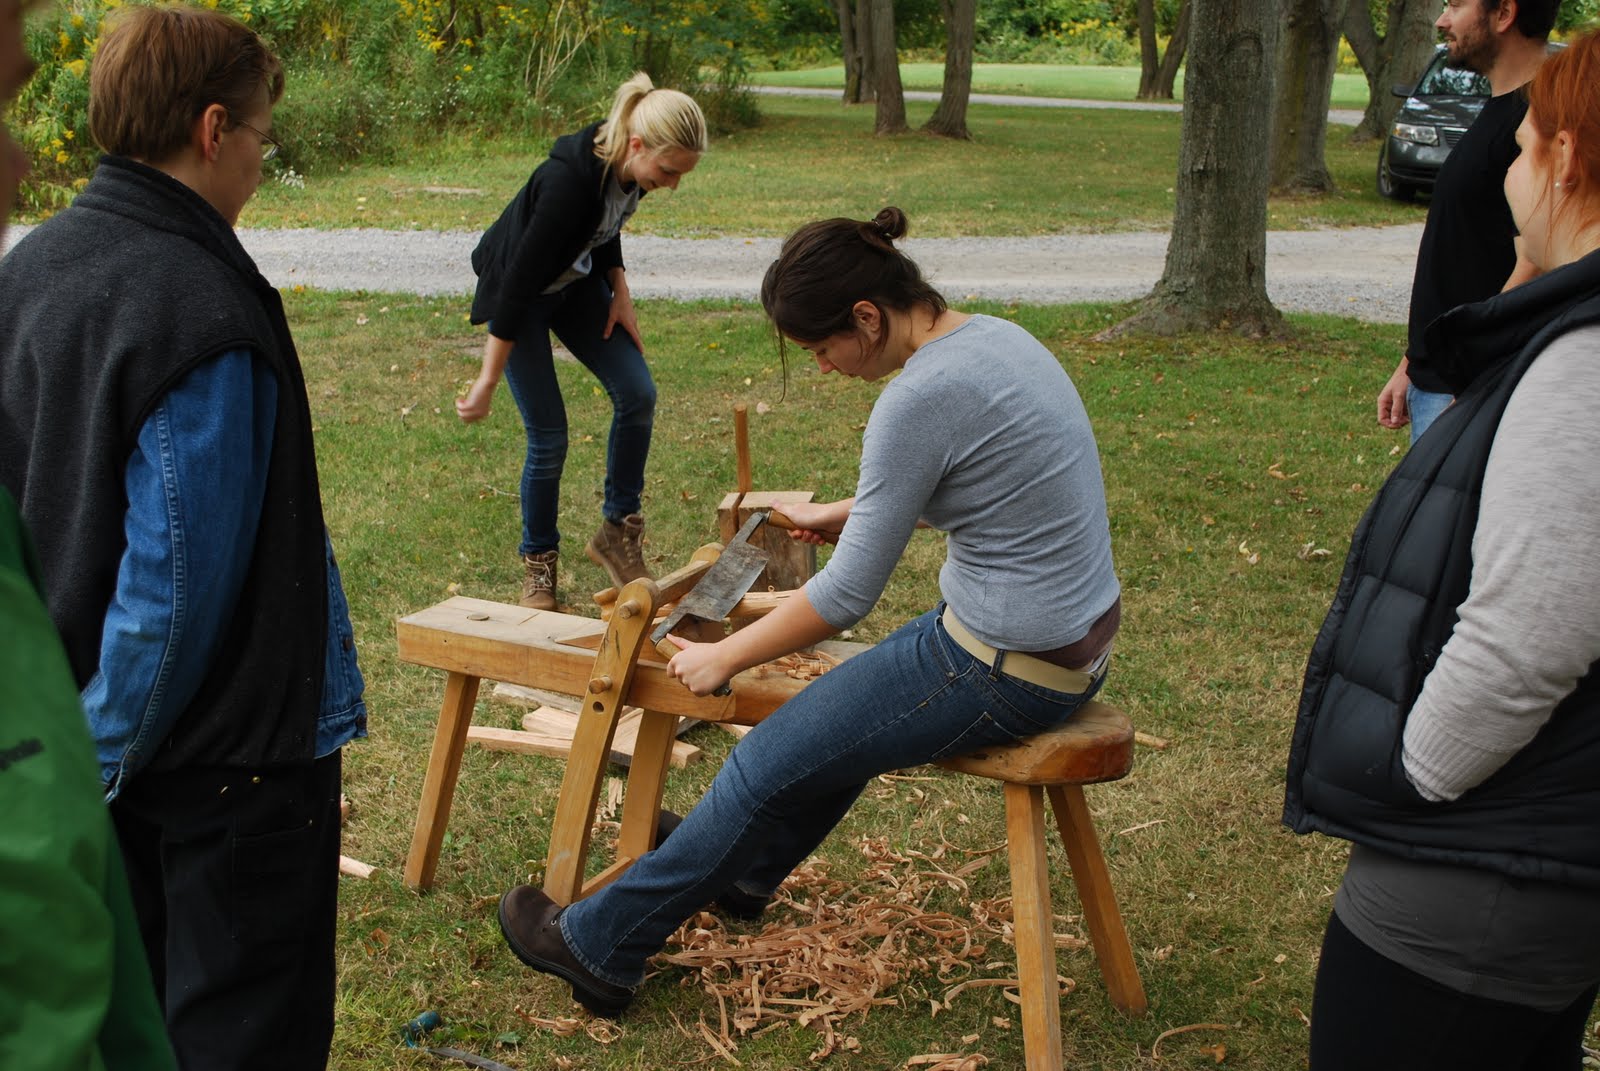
{"x": 592, "y": 1001}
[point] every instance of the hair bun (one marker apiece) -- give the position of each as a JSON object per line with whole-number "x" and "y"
{"x": 890, "y": 222}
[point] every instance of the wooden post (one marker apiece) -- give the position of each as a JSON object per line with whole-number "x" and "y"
{"x": 617, "y": 659}
{"x": 1035, "y": 937}
{"x": 439, "y": 786}
{"x": 1099, "y": 900}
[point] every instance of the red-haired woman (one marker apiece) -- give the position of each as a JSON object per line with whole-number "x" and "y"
{"x": 1450, "y": 723}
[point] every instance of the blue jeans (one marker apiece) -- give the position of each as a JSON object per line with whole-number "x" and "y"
{"x": 577, "y": 314}
{"x": 1425, "y": 407}
{"x": 914, "y": 698}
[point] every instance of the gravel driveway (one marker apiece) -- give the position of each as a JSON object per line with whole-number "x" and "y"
{"x": 1362, "y": 272}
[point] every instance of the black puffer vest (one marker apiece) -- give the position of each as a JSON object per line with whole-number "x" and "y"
{"x": 1409, "y": 568}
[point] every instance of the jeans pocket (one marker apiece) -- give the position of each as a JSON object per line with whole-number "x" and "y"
{"x": 273, "y": 884}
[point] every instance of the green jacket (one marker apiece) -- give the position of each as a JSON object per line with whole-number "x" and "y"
{"x": 75, "y": 988}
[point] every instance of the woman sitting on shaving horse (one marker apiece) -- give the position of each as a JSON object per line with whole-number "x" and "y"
{"x": 553, "y": 262}
{"x": 984, "y": 436}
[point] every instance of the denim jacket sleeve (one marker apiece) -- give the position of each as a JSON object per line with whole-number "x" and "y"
{"x": 195, "y": 485}
{"x": 343, "y": 716}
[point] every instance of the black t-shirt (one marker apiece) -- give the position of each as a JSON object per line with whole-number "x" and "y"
{"x": 1466, "y": 253}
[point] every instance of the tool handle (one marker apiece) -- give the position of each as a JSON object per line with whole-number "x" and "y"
{"x": 666, "y": 649}
{"x": 741, "y": 445}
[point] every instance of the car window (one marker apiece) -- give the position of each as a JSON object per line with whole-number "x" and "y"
{"x": 1441, "y": 80}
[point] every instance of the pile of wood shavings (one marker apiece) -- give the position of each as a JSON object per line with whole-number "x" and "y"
{"x": 835, "y": 950}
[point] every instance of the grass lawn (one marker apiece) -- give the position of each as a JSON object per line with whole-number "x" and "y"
{"x": 1036, "y": 80}
{"x": 1026, "y": 171}
{"x": 1230, "y": 466}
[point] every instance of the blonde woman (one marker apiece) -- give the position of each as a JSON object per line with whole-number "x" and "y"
{"x": 552, "y": 262}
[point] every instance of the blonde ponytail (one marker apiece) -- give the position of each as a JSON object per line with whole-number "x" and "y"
{"x": 661, "y": 118}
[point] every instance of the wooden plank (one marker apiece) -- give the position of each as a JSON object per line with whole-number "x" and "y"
{"x": 517, "y": 645}
{"x": 1099, "y": 899}
{"x": 561, "y": 725}
{"x": 521, "y": 695}
{"x": 1035, "y": 939}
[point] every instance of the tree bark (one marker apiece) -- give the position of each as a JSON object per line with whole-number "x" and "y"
{"x": 949, "y": 119}
{"x": 891, "y": 114}
{"x": 1397, "y": 56}
{"x": 1308, "y": 49}
{"x": 857, "y": 73}
{"x": 1167, "y": 76}
{"x": 1215, "y": 275}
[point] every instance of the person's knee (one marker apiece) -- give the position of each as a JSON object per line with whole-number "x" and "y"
{"x": 636, "y": 401}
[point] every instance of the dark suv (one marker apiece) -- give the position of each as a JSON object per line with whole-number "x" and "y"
{"x": 1437, "y": 111}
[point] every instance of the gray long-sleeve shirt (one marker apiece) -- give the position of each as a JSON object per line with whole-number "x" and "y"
{"x": 1528, "y": 630}
{"x": 983, "y": 436}
{"x": 1530, "y": 625}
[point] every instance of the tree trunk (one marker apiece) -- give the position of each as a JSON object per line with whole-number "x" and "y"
{"x": 1157, "y": 74}
{"x": 1215, "y": 275}
{"x": 1167, "y": 77}
{"x": 1149, "y": 59}
{"x": 1308, "y": 49}
{"x": 1398, "y": 56}
{"x": 857, "y": 75}
{"x": 891, "y": 116}
{"x": 960, "y": 27}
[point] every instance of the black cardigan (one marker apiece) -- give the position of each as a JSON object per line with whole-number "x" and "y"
{"x": 541, "y": 232}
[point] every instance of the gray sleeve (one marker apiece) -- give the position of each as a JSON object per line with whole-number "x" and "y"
{"x": 1530, "y": 626}
{"x": 904, "y": 454}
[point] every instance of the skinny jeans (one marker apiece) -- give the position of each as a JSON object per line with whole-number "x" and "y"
{"x": 577, "y": 315}
{"x": 915, "y": 698}
{"x": 1372, "y": 1014}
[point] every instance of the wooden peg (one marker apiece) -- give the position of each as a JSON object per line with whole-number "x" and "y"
{"x": 627, "y": 609}
{"x": 599, "y": 684}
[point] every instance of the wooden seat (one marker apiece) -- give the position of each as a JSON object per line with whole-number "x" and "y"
{"x": 1096, "y": 745}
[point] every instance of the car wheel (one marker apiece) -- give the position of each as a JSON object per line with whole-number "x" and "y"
{"x": 1388, "y": 185}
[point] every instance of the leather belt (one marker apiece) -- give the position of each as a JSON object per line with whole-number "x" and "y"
{"x": 1025, "y": 667}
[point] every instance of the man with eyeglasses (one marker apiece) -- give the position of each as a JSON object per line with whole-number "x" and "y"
{"x": 154, "y": 427}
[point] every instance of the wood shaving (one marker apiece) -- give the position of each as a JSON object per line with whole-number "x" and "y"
{"x": 836, "y": 950}
{"x": 1155, "y": 1050}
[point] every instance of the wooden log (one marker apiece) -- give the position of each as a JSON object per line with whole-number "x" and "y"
{"x": 790, "y": 563}
{"x": 1095, "y": 744}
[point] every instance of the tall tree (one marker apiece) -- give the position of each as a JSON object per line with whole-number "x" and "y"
{"x": 855, "y": 24}
{"x": 1396, "y": 56}
{"x": 960, "y": 29}
{"x": 1158, "y": 72}
{"x": 891, "y": 115}
{"x": 1215, "y": 275}
{"x": 1308, "y": 49}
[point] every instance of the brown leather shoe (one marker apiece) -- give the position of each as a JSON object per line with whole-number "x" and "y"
{"x": 528, "y": 923}
{"x": 539, "y": 580}
{"x": 616, "y": 549}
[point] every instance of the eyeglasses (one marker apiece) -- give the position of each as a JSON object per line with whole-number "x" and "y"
{"x": 270, "y": 146}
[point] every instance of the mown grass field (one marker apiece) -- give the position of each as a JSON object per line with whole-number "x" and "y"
{"x": 1230, "y": 466}
{"x": 1037, "y": 80}
{"x": 1026, "y": 171}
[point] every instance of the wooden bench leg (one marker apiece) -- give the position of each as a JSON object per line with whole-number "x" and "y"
{"x": 614, "y": 666}
{"x": 439, "y": 786}
{"x": 1035, "y": 936}
{"x": 1110, "y": 939}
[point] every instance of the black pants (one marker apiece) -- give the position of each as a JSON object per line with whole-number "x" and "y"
{"x": 1370, "y": 1013}
{"x": 235, "y": 878}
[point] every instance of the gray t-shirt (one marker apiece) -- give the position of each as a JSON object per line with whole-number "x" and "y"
{"x": 615, "y": 211}
{"x": 983, "y": 436}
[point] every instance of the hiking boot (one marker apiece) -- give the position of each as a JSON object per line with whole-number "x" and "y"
{"x": 615, "y": 548}
{"x": 528, "y": 922}
{"x": 539, "y": 582}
